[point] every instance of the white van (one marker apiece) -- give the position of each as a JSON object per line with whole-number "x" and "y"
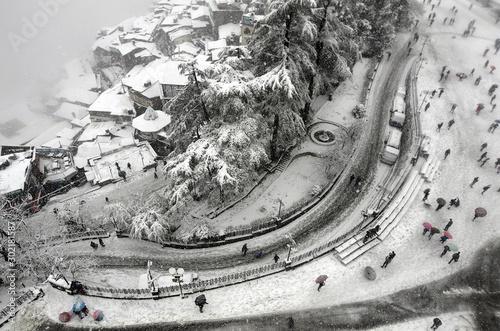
{"x": 397, "y": 118}
{"x": 391, "y": 149}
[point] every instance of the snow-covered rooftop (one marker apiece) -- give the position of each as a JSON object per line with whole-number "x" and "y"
{"x": 75, "y": 94}
{"x": 216, "y": 44}
{"x": 169, "y": 74}
{"x": 180, "y": 33}
{"x": 13, "y": 176}
{"x": 71, "y": 111}
{"x": 87, "y": 82}
{"x": 197, "y": 24}
{"x": 202, "y": 11}
{"x": 113, "y": 101}
{"x": 227, "y": 30}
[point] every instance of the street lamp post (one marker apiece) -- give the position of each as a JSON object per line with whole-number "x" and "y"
{"x": 177, "y": 277}
{"x": 279, "y": 208}
{"x": 291, "y": 245}
{"x": 423, "y": 101}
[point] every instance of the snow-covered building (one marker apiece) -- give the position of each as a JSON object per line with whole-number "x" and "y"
{"x": 100, "y": 49}
{"x": 171, "y": 80}
{"x": 180, "y": 36}
{"x": 77, "y": 95}
{"x": 71, "y": 111}
{"x": 104, "y": 168}
{"x": 185, "y": 52}
{"x": 230, "y": 32}
{"x": 112, "y": 105}
{"x": 17, "y": 177}
{"x": 57, "y": 167}
{"x": 224, "y": 11}
{"x": 213, "y": 48}
{"x": 150, "y": 125}
{"x": 247, "y": 26}
{"x": 143, "y": 86}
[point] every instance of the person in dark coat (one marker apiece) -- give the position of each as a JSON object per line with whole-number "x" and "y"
{"x": 450, "y": 123}
{"x": 201, "y": 301}
{"x": 483, "y": 146}
{"x": 129, "y": 165}
{"x": 452, "y": 203}
{"x": 321, "y": 285}
{"x": 426, "y": 193}
{"x": 450, "y": 223}
{"x": 486, "y": 188}
{"x": 447, "y": 153}
{"x": 156, "y": 175}
{"x": 440, "y": 125}
{"x": 291, "y": 322}
{"x": 276, "y": 258}
{"x": 455, "y": 257}
{"x": 485, "y": 154}
{"x": 441, "y": 91}
{"x": 445, "y": 250}
{"x": 107, "y": 199}
{"x": 443, "y": 239}
{"x": 427, "y": 106}
{"x": 425, "y": 231}
{"x": 259, "y": 254}
{"x": 437, "y": 323}
{"x": 474, "y": 181}
{"x": 244, "y": 249}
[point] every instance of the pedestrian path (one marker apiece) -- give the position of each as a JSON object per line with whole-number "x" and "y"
{"x": 389, "y": 218}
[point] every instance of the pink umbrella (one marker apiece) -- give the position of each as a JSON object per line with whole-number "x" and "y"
{"x": 428, "y": 226}
{"x": 447, "y": 234}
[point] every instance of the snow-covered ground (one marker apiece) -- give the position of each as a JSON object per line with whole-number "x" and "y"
{"x": 418, "y": 259}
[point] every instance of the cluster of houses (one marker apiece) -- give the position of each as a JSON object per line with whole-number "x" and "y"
{"x": 111, "y": 111}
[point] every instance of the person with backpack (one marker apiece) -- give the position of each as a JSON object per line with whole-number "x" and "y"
{"x": 437, "y": 323}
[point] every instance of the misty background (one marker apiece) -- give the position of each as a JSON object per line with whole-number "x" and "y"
{"x": 30, "y": 71}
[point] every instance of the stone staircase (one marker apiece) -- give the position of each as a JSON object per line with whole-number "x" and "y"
{"x": 285, "y": 160}
{"x": 409, "y": 187}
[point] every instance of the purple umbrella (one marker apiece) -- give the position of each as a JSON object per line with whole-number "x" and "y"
{"x": 479, "y": 212}
{"x": 426, "y": 225}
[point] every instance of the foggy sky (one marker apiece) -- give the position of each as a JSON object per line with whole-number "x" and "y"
{"x": 65, "y": 32}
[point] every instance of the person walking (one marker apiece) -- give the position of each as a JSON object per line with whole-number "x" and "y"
{"x": 450, "y": 123}
{"x": 388, "y": 55}
{"x": 491, "y": 127}
{"x": 484, "y": 161}
{"x": 452, "y": 203}
{"x": 483, "y": 146}
{"x": 440, "y": 125}
{"x": 321, "y": 285}
{"x": 493, "y": 106}
{"x": 493, "y": 98}
{"x": 486, "y": 52}
{"x": 478, "y": 80}
{"x": 276, "y": 258}
{"x": 497, "y": 162}
{"x": 442, "y": 76}
{"x": 426, "y": 193}
{"x": 427, "y": 106}
{"x": 129, "y": 165}
{"x": 455, "y": 257}
{"x": 447, "y": 75}
{"x": 474, "y": 181}
{"x": 450, "y": 223}
{"x": 472, "y": 72}
{"x": 453, "y": 107}
{"x": 445, "y": 250}
{"x": 200, "y": 301}
{"x": 107, "y": 199}
{"x": 441, "y": 91}
{"x": 433, "y": 93}
{"x": 437, "y": 323}
{"x": 409, "y": 51}
{"x": 443, "y": 239}
{"x": 494, "y": 127}
{"x": 244, "y": 249}
{"x": 486, "y": 188}
{"x": 156, "y": 175}
{"x": 482, "y": 156}
{"x": 447, "y": 153}
{"x": 291, "y": 322}
{"x": 486, "y": 63}
{"x": 388, "y": 259}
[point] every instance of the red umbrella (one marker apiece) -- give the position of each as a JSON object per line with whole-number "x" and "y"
{"x": 492, "y": 67}
{"x": 447, "y": 234}
{"x": 428, "y": 226}
{"x": 64, "y": 317}
{"x": 321, "y": 279}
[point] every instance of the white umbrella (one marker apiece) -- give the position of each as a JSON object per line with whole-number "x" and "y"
{"x": 151, "y": 121}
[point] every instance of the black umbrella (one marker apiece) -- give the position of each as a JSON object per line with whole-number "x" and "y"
{"x": 479, "y": 212}
{"x": 441, "y": 201}
{"x": 494, "y": 85}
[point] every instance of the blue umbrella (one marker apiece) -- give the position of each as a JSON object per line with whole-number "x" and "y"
{"x": 78, "y": 306}
{"x": 453, "y": 247}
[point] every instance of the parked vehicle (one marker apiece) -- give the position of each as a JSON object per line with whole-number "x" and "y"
{"x": 398, "y": 116}
{"x": 392, "y": 145}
